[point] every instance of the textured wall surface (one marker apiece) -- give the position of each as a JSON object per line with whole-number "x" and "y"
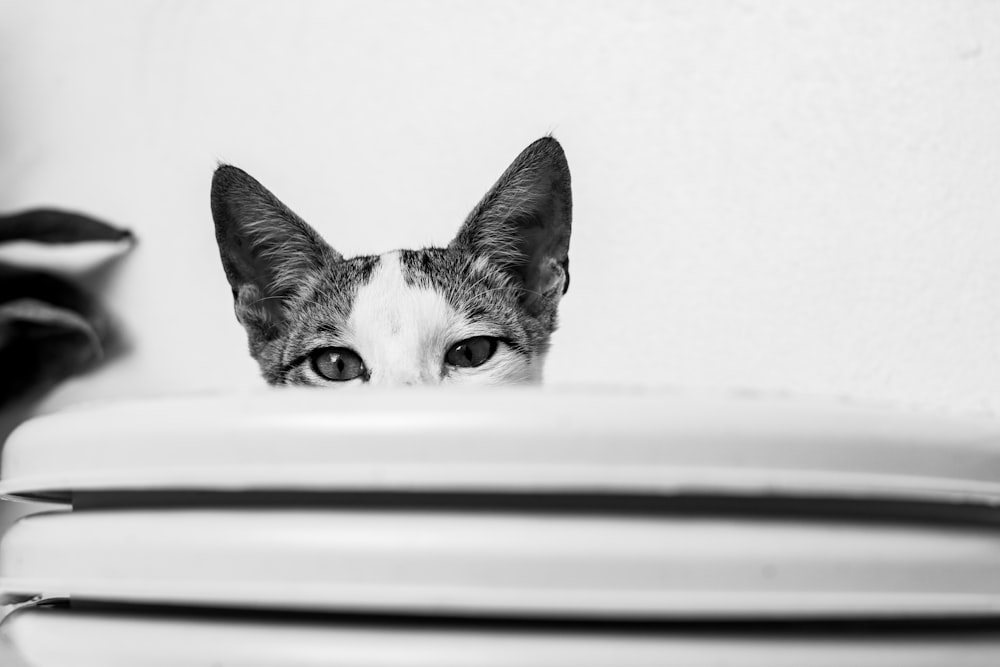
{"x": 769, "y": 194}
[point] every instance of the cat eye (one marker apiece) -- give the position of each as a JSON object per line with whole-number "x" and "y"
{"x": 471, "y": 352}
{"x": 338, "y": 364}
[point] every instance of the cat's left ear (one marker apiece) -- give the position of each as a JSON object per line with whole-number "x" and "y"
{"x": 523, "y": 224}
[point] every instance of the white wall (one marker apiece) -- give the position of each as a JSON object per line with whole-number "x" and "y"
{"x": 768, "y": 193}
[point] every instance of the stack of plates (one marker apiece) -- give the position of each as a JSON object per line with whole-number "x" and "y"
{"x": 517, "y": 527}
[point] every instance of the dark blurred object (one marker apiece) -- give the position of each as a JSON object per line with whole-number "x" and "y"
{"x": 50, "y": 326}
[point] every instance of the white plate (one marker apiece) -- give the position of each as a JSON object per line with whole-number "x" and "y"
{"x": 485, "y": 564}
{"x": 513, "y": 440}
{"x": 63, "y": 638}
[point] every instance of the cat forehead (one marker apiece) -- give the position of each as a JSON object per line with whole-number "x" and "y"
{"x": 393, "y": 299}
{"x": 469, "y": 284}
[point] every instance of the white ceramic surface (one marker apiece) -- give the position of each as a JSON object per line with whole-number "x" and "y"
{"x": 514, "y": 440}
{"x": 505, "y": 564}
{"x": 53, "y": 638}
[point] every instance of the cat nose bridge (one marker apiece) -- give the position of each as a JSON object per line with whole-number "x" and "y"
{"x": 391, "y": 380}
{"x": 405, "y": 359}
{"x": 416, "y": 378}
{"x": 398, "y": 376}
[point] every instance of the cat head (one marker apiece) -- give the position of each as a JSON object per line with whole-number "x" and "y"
{"x": 480, "y": 310}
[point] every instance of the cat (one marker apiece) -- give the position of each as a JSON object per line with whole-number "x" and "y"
{"x": 479, "y": 311}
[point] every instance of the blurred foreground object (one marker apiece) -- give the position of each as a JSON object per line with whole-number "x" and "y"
{"x": 538, "y": 527}
{"x": 51, "y": 327}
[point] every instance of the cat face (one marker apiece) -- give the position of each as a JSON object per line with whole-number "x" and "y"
{"x": 479, "y": 311}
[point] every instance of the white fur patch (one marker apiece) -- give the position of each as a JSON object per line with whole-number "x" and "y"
{"x": 402, "y": 332}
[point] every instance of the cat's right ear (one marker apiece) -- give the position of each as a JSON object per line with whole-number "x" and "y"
{"x": 523, "y": 225}
{"x": 266, "y": 251}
